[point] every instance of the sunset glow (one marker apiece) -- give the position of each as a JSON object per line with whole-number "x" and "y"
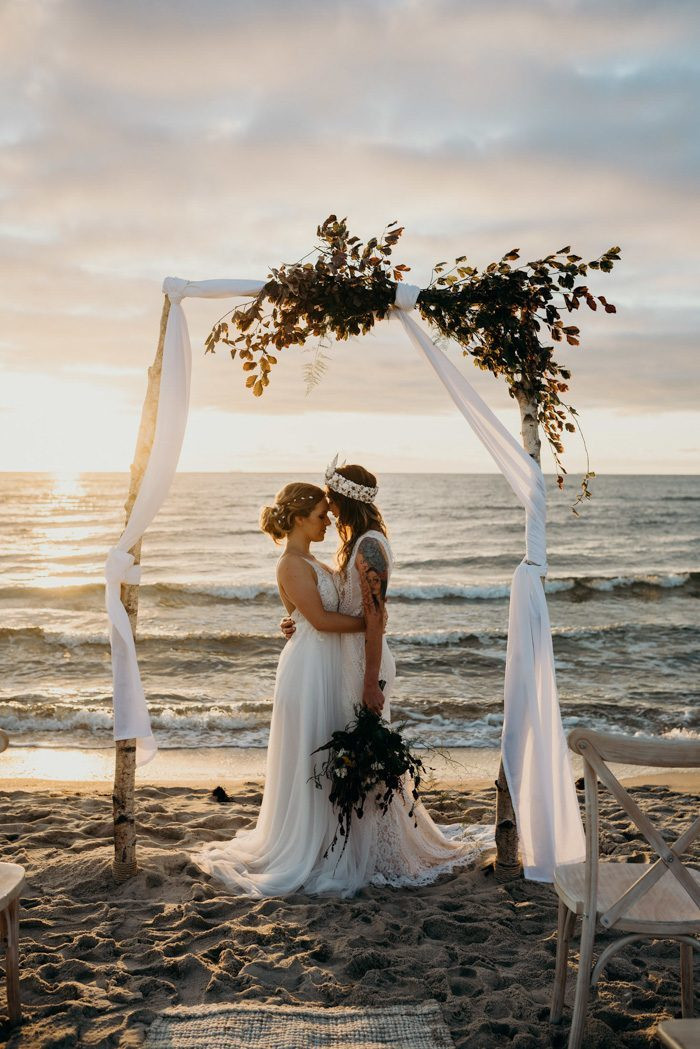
{"x": 194, "y": 172}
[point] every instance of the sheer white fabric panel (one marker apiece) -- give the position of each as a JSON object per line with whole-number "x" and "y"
{"x": 534, "y": 751}
{"x": 131, "y": 719}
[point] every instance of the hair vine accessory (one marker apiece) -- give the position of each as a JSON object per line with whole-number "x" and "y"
{"x": 362, "y": 492}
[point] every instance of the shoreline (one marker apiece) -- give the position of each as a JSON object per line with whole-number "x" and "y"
{"x": 201, "y": 766}
{"x": 81, "y": 770}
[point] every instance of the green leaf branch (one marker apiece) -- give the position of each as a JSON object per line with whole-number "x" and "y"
{"x": 508, "y": 317}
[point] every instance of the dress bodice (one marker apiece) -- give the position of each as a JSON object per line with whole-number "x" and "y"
{"x": 326, "y": 583}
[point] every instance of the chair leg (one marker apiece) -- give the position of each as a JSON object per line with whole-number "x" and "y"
{"x": 14, "y": 1007}
{"x": 686, "y": 980}
{"x": 565, "y": 927}
{"x": 583, "y": 980}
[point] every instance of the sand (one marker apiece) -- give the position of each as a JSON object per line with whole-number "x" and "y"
{"x": 99, "y": 961}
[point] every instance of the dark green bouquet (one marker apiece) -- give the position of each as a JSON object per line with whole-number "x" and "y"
{"x": 367, "y": 754}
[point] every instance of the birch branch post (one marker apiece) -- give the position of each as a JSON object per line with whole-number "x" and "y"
{"x": 507, "y": 865}
{"x": 125, "y": 865}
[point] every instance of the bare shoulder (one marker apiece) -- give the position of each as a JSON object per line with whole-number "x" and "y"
{"x": 293, "y": 567}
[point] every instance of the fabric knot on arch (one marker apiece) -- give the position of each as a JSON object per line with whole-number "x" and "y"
{"x": 534, "y": 751}
{"x": 406, "y": 296}
{"x": 174, "y": 288}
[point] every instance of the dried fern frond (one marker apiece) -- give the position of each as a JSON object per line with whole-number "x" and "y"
{"x": 316, "y": 368}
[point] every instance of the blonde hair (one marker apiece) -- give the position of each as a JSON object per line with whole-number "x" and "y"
{"x": 296, "y": 499}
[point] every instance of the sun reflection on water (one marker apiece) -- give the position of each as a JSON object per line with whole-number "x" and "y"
{"x": 67, "y": 486}
{"x": 54, "y": 543}
{"x": 57, "y": 764}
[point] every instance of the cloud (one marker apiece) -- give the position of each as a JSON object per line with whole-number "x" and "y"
{"x": 209, "y": 140}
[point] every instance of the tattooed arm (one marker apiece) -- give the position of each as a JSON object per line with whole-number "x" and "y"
{"x": 374, "y": 574}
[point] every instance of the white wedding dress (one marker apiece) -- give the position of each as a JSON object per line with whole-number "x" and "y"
{"x": 399, "y": 853}
{"x": 284, "y": 852}
{"x": 319, "y": 681}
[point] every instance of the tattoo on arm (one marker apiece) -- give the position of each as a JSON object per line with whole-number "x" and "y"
{"x": 376, "y": 567}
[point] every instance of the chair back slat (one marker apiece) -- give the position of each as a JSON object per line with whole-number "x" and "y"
{"x": 628, "y": 803}
{"x": 633, "y": 750}
{"x": 592, "y": 837}
{"x": 596, "y": 748}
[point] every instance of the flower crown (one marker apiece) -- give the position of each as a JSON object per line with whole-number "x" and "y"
{"x": 362, "y": 492}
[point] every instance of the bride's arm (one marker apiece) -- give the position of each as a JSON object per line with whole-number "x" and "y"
{"x": 298, "y": 581}
{"x": 374, "y": 574}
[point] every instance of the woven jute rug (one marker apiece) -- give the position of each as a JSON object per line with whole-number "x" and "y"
{"x": 252, "y": 1026}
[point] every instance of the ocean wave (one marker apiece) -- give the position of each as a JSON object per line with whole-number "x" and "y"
{"x": 441, "y": 638}
{"x": 196, "y": 721}
{"x": 507, "y": 560}
{"x": 94, "y": 591}
{"x": 650, "y": 633}
{"x": 651, "y": 580}
{"x": 194, "y": 638}
{"x": 681, "y": 733}
{"x": 187, "y": 723}
{"x": 204, "y": 592}
{"x": 232, "y": 592}
{"x": 460, "y": 591}
{"x": 438, "y": 591}
{"x": 466, "y": 592}
{"x": 51, "y": 718}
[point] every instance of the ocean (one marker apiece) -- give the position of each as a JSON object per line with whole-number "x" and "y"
{"x": 623, "y": 589}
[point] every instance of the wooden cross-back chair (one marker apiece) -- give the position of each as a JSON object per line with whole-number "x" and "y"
{"x": 656, "y": 900}
{"x": 11, "y": 885}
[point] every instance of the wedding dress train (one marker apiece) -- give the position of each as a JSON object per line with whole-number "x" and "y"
{"x": 400, "y": 853}
{"x": 319, "y": 681}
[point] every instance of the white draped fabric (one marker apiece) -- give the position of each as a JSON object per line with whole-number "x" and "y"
{"x": 533, "y": 747}
{"x": 534, "y": 751}
{"x": 131, "y": 720}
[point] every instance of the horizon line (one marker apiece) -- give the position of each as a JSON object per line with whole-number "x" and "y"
{"x": 408, "y": 473}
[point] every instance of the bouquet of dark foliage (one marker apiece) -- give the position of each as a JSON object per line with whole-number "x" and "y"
{"x": 367, "y": 754}
{"x": 506, "y": 317}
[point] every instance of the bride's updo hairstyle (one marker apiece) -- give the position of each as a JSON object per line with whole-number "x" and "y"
{"x": 294, "y": 500}
{"x": 354, "y": 517}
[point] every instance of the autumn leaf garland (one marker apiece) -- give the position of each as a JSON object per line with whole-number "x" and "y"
{"x": 503, "y": 317}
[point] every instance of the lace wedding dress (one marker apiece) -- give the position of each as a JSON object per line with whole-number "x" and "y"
{"x": 392, "y": 850}
{"x": 284, "y": 852}
{"x": 319, "y": 680}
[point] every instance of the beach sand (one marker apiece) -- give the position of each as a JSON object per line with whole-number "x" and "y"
{"x": 99, "y": 961}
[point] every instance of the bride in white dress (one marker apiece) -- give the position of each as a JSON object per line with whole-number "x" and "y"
{"x": 400, "y": 853}
{"x": 284, "y": 853}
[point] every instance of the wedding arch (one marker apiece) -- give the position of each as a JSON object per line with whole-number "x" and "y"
{"x": 536, "y": 798}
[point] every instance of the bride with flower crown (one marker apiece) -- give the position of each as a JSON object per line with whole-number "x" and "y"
{"x": 397, "y": 851}
{"x": 336, "y": 657}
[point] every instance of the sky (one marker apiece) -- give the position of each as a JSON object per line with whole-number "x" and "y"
{"x": 141, "y": 140}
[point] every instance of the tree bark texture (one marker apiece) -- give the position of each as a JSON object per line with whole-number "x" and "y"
{"x": 125, "y": 864}
{"x": 507, "y": 864}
